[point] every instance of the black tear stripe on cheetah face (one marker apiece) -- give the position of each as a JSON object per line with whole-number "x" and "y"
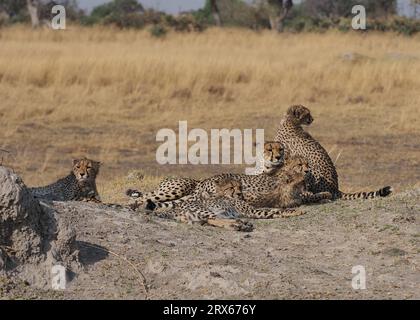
{"x": 79, "y": 185}
{"x": 270, "y": 160}
{"x": 323, "y": 175}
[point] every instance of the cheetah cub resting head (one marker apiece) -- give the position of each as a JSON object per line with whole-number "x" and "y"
{"x": 216, "y": 209}
{"x": 227, "y": 188}
{"x": 292, "y": 188}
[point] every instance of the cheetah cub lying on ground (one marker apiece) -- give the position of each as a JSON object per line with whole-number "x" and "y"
{"x": 79, "y": 185}
{"x": 222, "y": 208}
{"x": 322, "y": 175}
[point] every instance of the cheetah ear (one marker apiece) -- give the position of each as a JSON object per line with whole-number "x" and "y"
{"x": 96, "y": 164}
{"x": 293, "y": 111}
{"x": 297, "y": 113}
{"x": 75, "y": 161}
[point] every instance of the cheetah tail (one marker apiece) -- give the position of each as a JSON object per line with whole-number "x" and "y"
{"x": 383, "y": 192}
{"x": 151, "y": 205}
{"x": 133, "y": 193}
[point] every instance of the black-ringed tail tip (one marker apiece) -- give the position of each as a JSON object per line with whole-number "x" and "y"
{"x": 383, "y": 192}
{"x": 133, "y": 193}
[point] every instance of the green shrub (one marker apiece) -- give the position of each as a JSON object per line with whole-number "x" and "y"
{"x": 158, "y": 31}
{"x": 405, "y": 26}
{"x": 121, "y": 13}
{"x": 184, "y": 23}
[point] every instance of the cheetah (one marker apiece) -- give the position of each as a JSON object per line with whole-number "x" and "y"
{"x": 323, "y": 175}
{"x": 291, "y": 190}
{"x": 175, "y": 188}
{"x": 286, "y": 188}
{"x": 271, "y": 158}
{"x": 224, "y": 208}
{"x": 79, "y": 185}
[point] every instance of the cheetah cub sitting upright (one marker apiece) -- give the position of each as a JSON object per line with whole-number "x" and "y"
{"x": 223, "y": 208}
{"x": 79, "y": 185}
{"x": 291, "y": 190}
{"x": 322, "y": 175}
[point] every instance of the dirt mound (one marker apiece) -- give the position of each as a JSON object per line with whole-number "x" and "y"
{"x": 32, "y": 237}
{"x": 137, "y": 256}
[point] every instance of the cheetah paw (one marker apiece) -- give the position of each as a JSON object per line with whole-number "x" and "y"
{"x": 243, "y": 226}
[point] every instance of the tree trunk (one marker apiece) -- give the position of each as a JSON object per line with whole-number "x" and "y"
{"x": 33, "y": 6}
{"x": 278, "y": 12}
{"x": 4, "y": 19}
{"x": 288, "y": 4}
{"x": 215, "y": 12}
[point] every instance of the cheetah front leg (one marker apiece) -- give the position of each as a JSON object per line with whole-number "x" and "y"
{"x": 272, "y": 213}
{"x": 91, "y": 197}
{"x": 205, "y": 217}
{"x": 231, "y": 224}
{"x": 249, "y": 211}
{"x": 87, "y": 194}
{"x": 287, "y": 213}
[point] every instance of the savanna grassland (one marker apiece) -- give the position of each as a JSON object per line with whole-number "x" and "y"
{"x": 105, "y": 93}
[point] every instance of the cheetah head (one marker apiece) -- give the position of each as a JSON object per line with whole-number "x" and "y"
{"x": 300, "y": 115}
{"x": 273, "y": 155}
{"x": 229, "y": 188}
{"x": 296, "y": 169}
{"x": 297, "y": 164}
{"x": 85, "y": 169}
{"x": 296, "y": 181}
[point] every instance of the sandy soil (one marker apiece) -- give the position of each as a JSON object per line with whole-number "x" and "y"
{"x": 135, "y": 256}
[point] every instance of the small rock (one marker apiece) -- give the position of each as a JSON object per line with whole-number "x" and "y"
{"x": 215, "y": 274}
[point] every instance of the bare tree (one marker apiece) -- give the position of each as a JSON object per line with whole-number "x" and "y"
{"x": 4, "y": 17}
{"x": 278, "y": 10}
{"x": 33, "y": 7}
{"x": 215, "y": 12}
{"x": 415, "y": 5}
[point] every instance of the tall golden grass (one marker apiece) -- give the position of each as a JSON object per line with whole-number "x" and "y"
{"x": 105, "y": 92}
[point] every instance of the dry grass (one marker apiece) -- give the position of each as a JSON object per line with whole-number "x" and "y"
{"x": 105, "y": 93}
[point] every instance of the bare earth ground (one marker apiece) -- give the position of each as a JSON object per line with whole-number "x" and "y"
{"x": 134, "y": 256}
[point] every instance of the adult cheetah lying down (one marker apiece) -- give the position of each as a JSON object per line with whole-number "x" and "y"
{"x": 283, "y": 189}
{"x": 79, "y": 185}
{"x": 223, "y": 208}
{"x": 323, "y": 175}
{"x": 172, "y": 189}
